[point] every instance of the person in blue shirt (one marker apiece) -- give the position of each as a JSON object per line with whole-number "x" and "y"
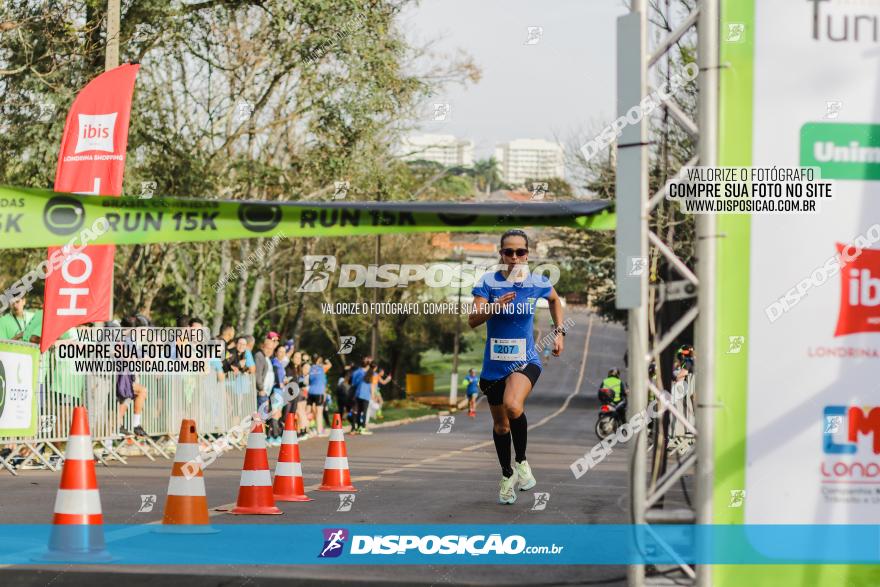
{"x": 317, "y": 390}
{"x": 505, "y": 301}
{"x": 361, "y": 392}
{"x": 472, "y": 391}
{"x": 273, "y": 427}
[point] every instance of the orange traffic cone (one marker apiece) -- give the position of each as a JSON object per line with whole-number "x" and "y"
{"x": 186, "y": 507}
{"x": 78, "y": 532}
{"x": 255, "y": 488}
{"x": 288, "y": 472}
{"x": 336, "y": 474}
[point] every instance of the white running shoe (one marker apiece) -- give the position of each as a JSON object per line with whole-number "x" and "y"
{"x": 507, "y": 493}
{"x": 524, "y": 472}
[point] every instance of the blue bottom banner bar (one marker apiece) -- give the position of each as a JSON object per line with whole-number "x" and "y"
{"x": 523, "y": 544}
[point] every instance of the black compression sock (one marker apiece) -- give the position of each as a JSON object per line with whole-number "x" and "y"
{"x": 502, "y": 447}
{"x": 519, "y": 430}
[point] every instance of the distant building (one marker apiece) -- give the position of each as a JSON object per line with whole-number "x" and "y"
{"x": 522, "y": 159}
{"x": 446, "y": 150}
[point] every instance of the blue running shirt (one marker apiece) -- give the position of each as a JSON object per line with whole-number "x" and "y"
{"x": 510, "y": 340}
{"x": 317, "y": 380}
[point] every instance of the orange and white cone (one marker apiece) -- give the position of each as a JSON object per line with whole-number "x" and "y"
{"x": 336, "y": 474}
{"x": 78, "y": 532}
{"x": 288, "y": 484}
{"x": 255, "y": 488}
{"x": 186, "y": 507}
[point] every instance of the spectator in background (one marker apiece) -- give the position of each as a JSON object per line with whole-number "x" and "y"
{"x": 236, "y": 360}
{"x": 249, "y": 364}
{"x": 378, "y": 378}
{"x": 472, "y": 391}
{"x": 302, "y": 413}
{"x": 343, "y": 400}
{"x": 227, "y": 334}
{"x": 317, "y": 377}
{"x": 216, "y": 365}
{"x": 273, "y": 434}
{"x": 360, "y": 383}
{"x": 196, "y": 323}
{"x": 264, "y": 374}
{"x": 128, "y": 389}
{"x": 275, "y": 338}
{"x": 14, "y": 322}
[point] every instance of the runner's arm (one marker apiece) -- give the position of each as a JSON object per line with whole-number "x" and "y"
{"x": 483, "y": 310}
{"x": 555, "y": 303}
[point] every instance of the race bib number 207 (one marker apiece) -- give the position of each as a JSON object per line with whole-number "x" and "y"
{"x": 508, "y": 349}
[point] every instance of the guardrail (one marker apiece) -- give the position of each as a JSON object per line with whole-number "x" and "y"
{"x": 215, "y": 402}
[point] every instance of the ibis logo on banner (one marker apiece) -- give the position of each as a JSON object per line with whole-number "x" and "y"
{"x": 859, "y": 293}
{"x": 97, "y": 121}
{"x": 96, "y": 132}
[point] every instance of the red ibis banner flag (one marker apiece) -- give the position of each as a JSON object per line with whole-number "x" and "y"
{"x": 91, "y": 161}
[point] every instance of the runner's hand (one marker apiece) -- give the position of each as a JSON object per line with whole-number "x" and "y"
{"x": 558, "y": 345}
{"x": 506, "y": 298}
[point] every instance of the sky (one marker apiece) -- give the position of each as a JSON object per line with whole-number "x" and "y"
{"x": 555, "y": 89}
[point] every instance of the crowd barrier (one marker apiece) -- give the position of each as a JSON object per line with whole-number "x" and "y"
{"x": 215, "y": 402}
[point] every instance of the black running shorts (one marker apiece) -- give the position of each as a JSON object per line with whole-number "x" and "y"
{"x": 494, "y": 388}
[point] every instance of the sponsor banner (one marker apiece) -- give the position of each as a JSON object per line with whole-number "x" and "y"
{"x": 797, "y": 425}
{"x": 19, "y": 363}
{"x": 91, "y": 161}
{"x": 453, "y": 544}
{"x": 39, "y": 218}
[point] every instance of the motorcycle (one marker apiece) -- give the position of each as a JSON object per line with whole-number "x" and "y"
{"x": 611, "y": 415}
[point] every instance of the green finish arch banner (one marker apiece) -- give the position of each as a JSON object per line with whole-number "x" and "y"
{"x": 31, "y": 218}
{"x": 797, "y": 426}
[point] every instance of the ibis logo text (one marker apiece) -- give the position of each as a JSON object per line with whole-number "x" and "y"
{"x": 96, "y": 132}
{"x": 851, "y": 443}
{"x": 860, "y": 294}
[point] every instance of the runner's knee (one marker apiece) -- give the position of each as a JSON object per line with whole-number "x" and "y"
{"x": 513, "y": 409}
{"x": 501, "y": 428}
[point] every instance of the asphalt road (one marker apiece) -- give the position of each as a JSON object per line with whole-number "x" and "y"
{"x": 406, "y": 474}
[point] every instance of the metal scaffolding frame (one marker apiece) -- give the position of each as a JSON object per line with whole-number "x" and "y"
{"x": 633, "y": 239}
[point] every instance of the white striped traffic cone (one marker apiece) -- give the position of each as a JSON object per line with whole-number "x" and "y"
{"x": 78, "y": 532}
{"x": 336, "y": 474}
{"x": 186, "y": 507}
{"x": 255, "y": 488}
{"x": 288, "y": 484}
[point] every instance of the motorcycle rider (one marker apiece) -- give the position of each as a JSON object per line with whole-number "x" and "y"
{"x": 617, "y": 387}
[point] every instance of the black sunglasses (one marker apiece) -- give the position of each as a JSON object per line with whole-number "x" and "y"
{"x": 510, "y": 252}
